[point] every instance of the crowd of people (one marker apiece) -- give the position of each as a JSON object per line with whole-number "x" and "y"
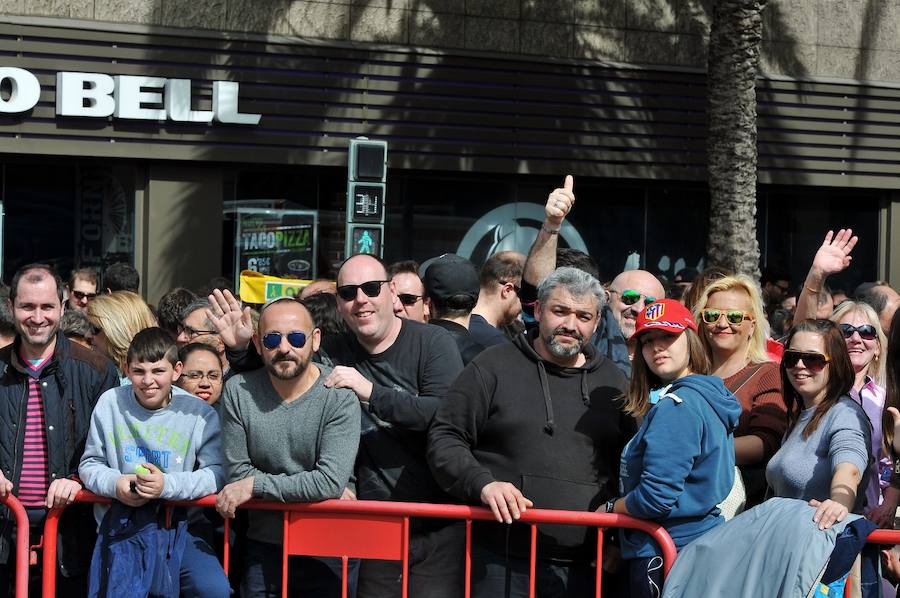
{"x": 714, "y": 405}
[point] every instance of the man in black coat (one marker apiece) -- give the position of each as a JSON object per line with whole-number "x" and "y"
{"x": 48, "y": 389}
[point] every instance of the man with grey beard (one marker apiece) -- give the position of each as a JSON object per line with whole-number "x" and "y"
{"x": 536, "y": 423}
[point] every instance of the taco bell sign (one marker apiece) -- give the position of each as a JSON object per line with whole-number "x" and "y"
{"x": 95, "y": 95}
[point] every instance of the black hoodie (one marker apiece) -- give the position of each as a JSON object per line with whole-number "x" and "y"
{"x": 556, "y": 433}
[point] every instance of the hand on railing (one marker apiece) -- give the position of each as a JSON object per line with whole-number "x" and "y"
{"x": 5, "y": 486}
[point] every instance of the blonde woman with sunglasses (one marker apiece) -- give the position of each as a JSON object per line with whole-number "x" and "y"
{"x": 734, "y": 330}
{"x": 867, "y": 347}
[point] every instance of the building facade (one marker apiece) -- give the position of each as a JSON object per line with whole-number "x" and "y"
{"x": 155, "y": 131}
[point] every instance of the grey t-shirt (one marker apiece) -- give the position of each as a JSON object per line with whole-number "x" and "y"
{"x": 803, "y": 468}
{"x": 297, "y": 451}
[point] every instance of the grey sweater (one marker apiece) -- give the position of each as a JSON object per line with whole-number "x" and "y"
{"x": 297, "y": 451}
{"x": 803, "y": 468}
{"x": 182, "y": 439}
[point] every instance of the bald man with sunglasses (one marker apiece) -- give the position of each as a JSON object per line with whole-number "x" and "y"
{"x": 286, "y": 438}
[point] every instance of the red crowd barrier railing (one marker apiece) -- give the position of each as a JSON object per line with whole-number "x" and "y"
{"x": 879, "y": 536}
{"x": 22, "y": 548}
{"x": 380, "y": 530}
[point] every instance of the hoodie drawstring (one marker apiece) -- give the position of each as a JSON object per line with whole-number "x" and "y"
{"x": 585, "y": 397}
{"x": 545, "y": 388}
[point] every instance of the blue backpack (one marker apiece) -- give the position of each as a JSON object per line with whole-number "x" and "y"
{"x": 136, "y": 555}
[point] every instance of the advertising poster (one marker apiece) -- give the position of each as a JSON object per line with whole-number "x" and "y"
{"x": 278, "y": 243}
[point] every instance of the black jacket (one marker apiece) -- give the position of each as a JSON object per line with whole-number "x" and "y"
{"x": 71, "y": 383}
{"x": 556, "y": 433}
{"x": 468, "y": 346}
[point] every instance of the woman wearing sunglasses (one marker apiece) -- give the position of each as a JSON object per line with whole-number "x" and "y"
{"x": 680, "y": 464}
{"x": 734, "y": 331}
{"x": 867, "y": 345}
{"x": 826, "y": 451}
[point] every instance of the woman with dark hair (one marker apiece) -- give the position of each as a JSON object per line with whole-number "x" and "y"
{"x": 680, "y": 464}
{"x": 202, "y": 375}
{"x": 826, "y": 451}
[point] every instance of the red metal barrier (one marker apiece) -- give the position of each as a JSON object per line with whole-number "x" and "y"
{"x": 879, "y": 536}
{"x": 380, "y": 530}
{"x": 23, "y": 550}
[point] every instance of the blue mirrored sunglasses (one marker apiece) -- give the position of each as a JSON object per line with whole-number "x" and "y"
{"x": 273, "y": 339}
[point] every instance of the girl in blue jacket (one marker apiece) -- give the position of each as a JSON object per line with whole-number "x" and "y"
{"x": 680, "y": 464}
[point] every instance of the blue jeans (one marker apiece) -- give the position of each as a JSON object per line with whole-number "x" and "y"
{"x": 202, "y": 575}
{"x": 308, "y": 576}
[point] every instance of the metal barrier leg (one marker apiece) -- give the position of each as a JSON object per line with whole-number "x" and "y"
{"x": 532, "y": 561}
{"x": 284, "y": 559}
{"x": 23, "y": 550}
{"x": 468, "y": 558}
{"x": 404, "y": 592}
{"x": 48, "y": 577}
{"x": 344, "y": 576}
{"x": 599, "y": 561}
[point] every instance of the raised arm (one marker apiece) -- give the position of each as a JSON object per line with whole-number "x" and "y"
{"x": 832, "y": 257}
{"x": 542, "y": 255}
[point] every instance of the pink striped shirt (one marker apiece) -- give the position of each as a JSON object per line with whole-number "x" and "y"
{"x": 34, "y": 479}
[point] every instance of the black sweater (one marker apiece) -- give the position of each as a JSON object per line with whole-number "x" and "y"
{"x": 555, "y": 433}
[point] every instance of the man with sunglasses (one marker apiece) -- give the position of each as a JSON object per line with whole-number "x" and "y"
{"x": 499, "y": 302}
{"x": 629, "y": 293}
{"x": 82, "y": 287}
{"x": 411, "y": 301}
{"x": 400, "y": 371}
{"x": 286, "y": 437}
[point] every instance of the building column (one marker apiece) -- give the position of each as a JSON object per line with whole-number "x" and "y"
{"x": 182, "y": 228}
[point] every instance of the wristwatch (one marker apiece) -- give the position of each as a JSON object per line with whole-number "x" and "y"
{"x": 611, "y": 505}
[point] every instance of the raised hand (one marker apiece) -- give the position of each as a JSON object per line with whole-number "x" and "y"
{"x": 834, "y": 254}
{"x": 232, "y": 322}
{"x": 560, "y": 202}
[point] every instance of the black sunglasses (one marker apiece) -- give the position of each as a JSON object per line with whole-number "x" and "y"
{"x": 371, "y": 288}
{"x": 814, "y": 362}
{"x": 81, "y": 295}
{"x": 272, "y": 340}
{"x": 407, "y": 298}
{"x": 866, "y": 331}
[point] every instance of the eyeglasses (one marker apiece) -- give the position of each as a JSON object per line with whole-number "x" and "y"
{"x": 630, "y": 297}
{"x": 372, "y": 288}
{"x": 272, "y": 340}
{"x": 81, "y": 295}
{"x": 405, "y": 298}
{"x": 516, "y": 288}
{"x": 196, "y": 375}
{"x": 193, "y": 333}
{"x": 814, "y": 362}
{"x": 866, "y": 331}
{"x": 734, "y": 316}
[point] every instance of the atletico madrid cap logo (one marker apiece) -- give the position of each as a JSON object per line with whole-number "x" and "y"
{"x": 655, "y": 311}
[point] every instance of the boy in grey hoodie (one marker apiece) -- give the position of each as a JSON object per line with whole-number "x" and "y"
{"x": 151, "y": 440}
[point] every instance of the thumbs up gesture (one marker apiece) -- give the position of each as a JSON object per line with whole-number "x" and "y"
{"x": 559, "y": 203}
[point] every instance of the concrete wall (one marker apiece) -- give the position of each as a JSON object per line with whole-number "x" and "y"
{"x": 855, "y": 39}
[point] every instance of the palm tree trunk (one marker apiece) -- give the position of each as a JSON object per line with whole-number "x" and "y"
{"x": 734, "y": 45}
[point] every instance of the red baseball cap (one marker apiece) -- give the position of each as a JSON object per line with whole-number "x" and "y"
{"x": 664, "y": 314}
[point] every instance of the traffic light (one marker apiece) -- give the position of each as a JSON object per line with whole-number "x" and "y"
{"x": 366, "y": 190}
